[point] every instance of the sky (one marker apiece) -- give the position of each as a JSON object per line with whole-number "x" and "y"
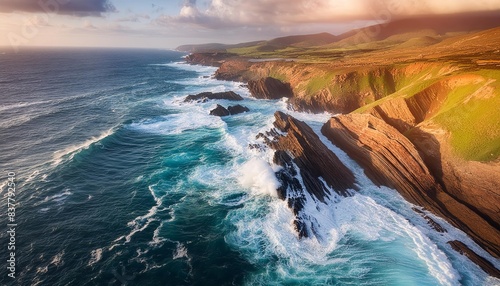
{"x": 170, "y": 23}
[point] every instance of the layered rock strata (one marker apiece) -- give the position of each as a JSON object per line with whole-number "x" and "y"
{"x": 390, "y": 159}
{"x": 269, "y": 88}
{"x": 300, "y": 152}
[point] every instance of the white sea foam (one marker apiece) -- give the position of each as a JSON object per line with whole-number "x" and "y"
{"x": 157, "y": 240}
{"x": 70, "y": 151}
{"x": 59, "y": 198}
{"x": 140, "y": 223}
{"x": 207, "y": 70}
{"x": 180, "y": 252}
{"x": 57, "y": 259}
{"x": 95, "y": 256}
{"x": 258, "y": 176}
{"x": 178, "y": 123}
{"x": 33, "y": 175}
{"x": 3, "y": 187}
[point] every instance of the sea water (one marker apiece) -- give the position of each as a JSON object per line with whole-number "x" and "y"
{"x": 119, "y": 182}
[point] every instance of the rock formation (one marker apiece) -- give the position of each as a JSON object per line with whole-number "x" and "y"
{"x": 231, "y": 110}
{"x": 300, "y": 151}
{"x": 229, "y": 95}
{"x": 236, "y": 109}
{"x": 480, "y": 261}
{"x": 219, "y": 111}
{"x": 390, "y": 159}
{"x": 209, "y": 59}
{"x": 269, "y": 88}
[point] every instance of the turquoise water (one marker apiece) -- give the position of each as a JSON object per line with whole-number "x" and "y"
{"x": 120, "y": 182}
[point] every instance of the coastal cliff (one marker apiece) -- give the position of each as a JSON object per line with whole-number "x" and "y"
{"x": 391, "y": 159}
{"x": 423, "y": 121}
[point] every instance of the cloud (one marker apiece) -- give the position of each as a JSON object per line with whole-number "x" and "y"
{"x": 89, "y": 26}
{"x": 244, "y": 13}
{"x": 134, "y": 18}
{"x": 68, "y": 7}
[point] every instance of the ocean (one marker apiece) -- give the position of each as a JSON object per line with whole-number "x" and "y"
{"x": 119, "y": 182}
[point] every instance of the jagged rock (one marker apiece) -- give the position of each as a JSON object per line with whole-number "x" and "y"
{"x": 473, "y": 184}
{"x": 301, "y": 151}
{"x": 487, "y": 266}
{"x": 269, "y": 88}
{"x": 390, "y": 159}
{"x": 436, "y": 226}
{"x": 219, "y": 111}
{"x": 231, "y": 110}
{"x": 232, "y": 70}
{"x": 312, "y": 157}
{"x": 228, "y": 95}
{"x": 237, "y": 109}
{"x": 387, "y": 156}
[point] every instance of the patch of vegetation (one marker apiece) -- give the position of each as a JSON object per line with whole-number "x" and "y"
{"x": 474, "y": 124}
{"x": 319, "y": 83}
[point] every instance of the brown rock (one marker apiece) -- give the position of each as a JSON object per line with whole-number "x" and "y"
{"x": 209, "y": 59}
{"x": 269, "y": 88}
{"x": 312, "y": 156}
{"x": 232, "y": 70}
{"x": 474, "y": 257}
{"x": 228, "y": 95}
{"x": 390, "y": 159}
{"x": 473, "y": 184}
{"x": 301, "y": 151}
{"x": 386, "y": 155}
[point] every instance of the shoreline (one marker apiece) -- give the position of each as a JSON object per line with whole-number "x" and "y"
{"x": 445, "y": 205}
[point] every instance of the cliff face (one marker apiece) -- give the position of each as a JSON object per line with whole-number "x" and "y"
{"x": 269, "y": 88}
{"x": 387, "y": 156}
{"x": 390, "y": 159}
{"x": 474, "y": 184}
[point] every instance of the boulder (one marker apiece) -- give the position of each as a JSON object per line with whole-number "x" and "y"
{"x": 228, "y": 95}
{"x": 219, "y": 111}
{"x": 237, "y": 109}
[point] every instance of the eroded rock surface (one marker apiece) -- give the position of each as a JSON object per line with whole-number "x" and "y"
{"x": 269, "y": 88}
{"x": 390, "y": 159}
{"x": 300, "y": 151}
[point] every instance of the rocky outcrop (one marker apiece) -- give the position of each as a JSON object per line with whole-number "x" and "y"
{"x": 300, "y": 151}
{"x": 390, "y": 159}
{"x": 404, "y": 113}
{"x": 236, "y": 109}
{"x": 233, "y": 70}
{"x": 474, "y": 257}
{"x": 209, "y": 59}
{"x": 219, "y": 111}
{"x": 473, "y": 184}
{"x": 387, "y": 157}
{"x": 228, "y": 95}
{"x": 269, "y": 88}
{"x": 231, "y": 110}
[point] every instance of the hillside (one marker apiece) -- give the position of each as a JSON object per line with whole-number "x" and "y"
{"x": 381, "y": 35}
